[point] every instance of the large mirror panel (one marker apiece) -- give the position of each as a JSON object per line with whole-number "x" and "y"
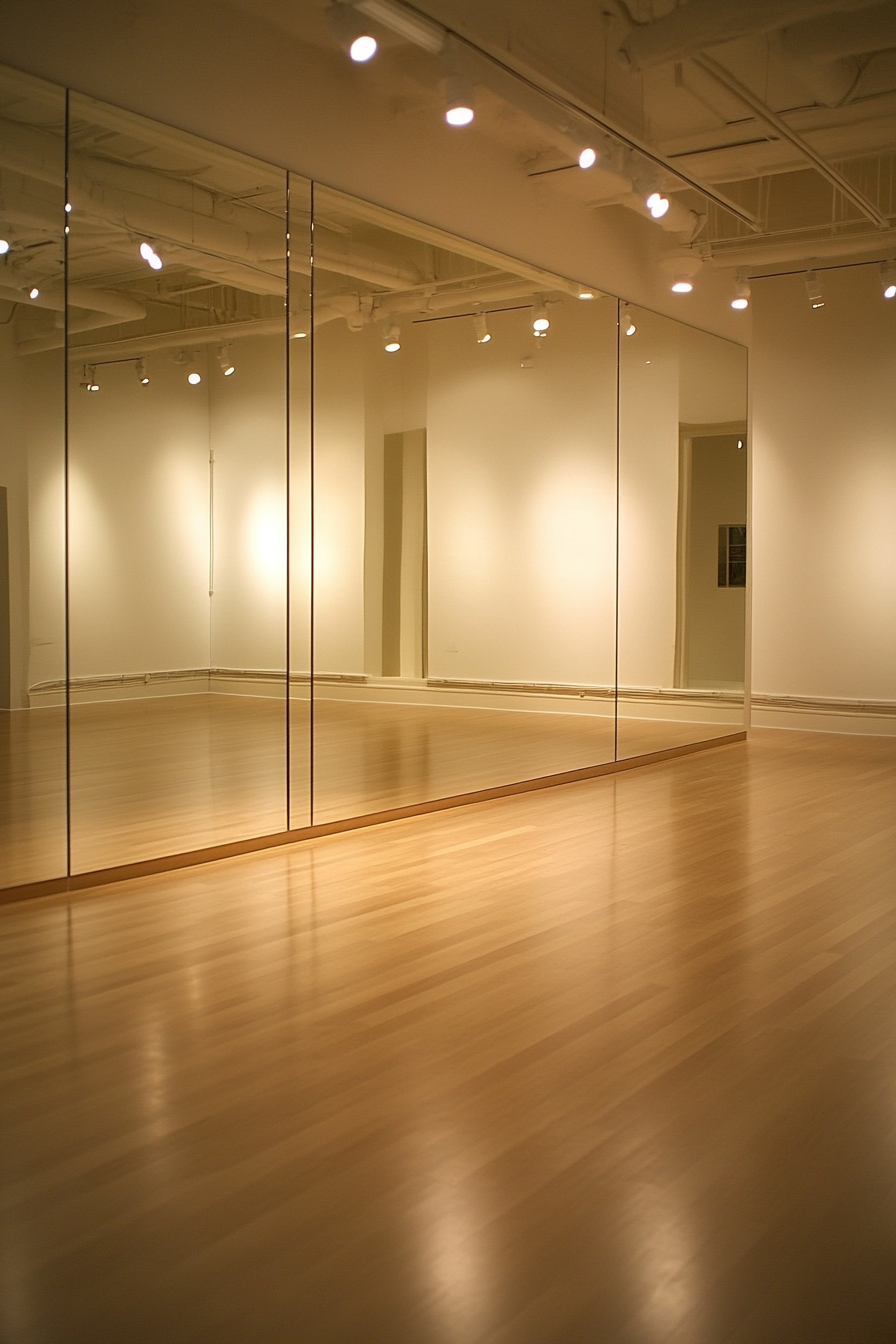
{"x": 33, "y": 831}
{"x": 464, "y": 516}
{"x": 682, "y": 533}
{"x": 177, "y": 328}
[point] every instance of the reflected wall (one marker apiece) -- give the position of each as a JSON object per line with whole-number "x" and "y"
{"x": 309, "y": 511}
{"x": 33, "y": 811}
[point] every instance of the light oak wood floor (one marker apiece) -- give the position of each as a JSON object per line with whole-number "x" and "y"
{"x": 613, "y": 1063}
{"x": 160, "y": 776}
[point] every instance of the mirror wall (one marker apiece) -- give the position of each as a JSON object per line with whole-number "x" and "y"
{"x": 310, "y": 511}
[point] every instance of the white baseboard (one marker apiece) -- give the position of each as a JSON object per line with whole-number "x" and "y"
{"x": 817, "y": 714}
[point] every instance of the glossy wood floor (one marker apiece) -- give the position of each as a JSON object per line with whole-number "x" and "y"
{"x": 161, "y": 776}
{"x": 613, "y": 1063}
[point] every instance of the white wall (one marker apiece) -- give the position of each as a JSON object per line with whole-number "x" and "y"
{"x": 824, "y": 492}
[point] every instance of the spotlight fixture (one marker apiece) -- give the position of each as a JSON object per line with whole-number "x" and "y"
{"x": 142, "y": 375}
{"x": 34, "y": 293}
{"x": 4, "y": 247}
{"x": 585, "y": 292}
{"x": 626, "y": 322}
{"x": 588, "y": 157}
{"x": 540, "y": 319}
{"x": 813, "y": 289}
{"x": 458, "y": 101}
{"x": 480, "y": 325}
{"x": 150, "y": 256}
{"x": 350, "y": 32}
{"x": 225, "y": 363}
{"x": 682, "y": 284}
{"x": 89, "y": 382}
{"x": 888, "y": 279}
{"x": 68, "y": 207}
{"x": 194, "y": 378}
{"x": 393, "y": 341}
{"x": 657, "y": 204}
{"x": 741, "y": 298}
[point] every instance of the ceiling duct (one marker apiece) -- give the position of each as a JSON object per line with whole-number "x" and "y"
{"x": 823, "y": 53}
{"x": 707, "y": 23}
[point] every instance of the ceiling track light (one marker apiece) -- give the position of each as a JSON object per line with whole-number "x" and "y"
{"x": 150, "y": 255}
{"x": 540, "y": 320}
{"x": 142, "y": 375}
{"x": 88, "y": 379}
{"x": 741, "y": 298}
{"x": 459, "y": 110}
{"x": 225, "y": 363}
{"x": 350, "y": 31}
{"x": 587, "y": 157}
{"x": 392, "y": 334}
{"x": 4, "y": 247}
{"x": 627, "y": 323}
{"x": 813, "y": 289}
{"x": 480, "y": 326}
{"x": 586, "y": 293}
{"x": 34, "y": 292}
{"x": 888, "y": 279}
{"x": 682, "y": 284}
{"x": 657, "y": 204}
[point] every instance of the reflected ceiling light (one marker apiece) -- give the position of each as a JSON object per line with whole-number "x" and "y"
{"x": 393, "y": 341}
{"x": 888, "y": 278}
{"x": 741, "y": 298}
{"x": 627, "y": 322}
{"x": 657, "y": 204}
{"x": 90, "y": 383}
{"x": 142, "y": 375}
{"x": 588, "y": 157}
{"x": 458, "y": 101}
{"x": 150, "y": 256}
{"x": 225, "y": 363}
{"x": 68, "y": 207}
{"x": 351, "y": 33}
{"x": 4, "y": 247}
{"x": 813, "y": 289}
{"x": 540, "y": 319}
{"x": 34, "y": 292}
{"x": 585, "y": 293}
{"x": 682, "y": 284}
{"x": 480, "y": 325}
{"x": 194, "y": 378}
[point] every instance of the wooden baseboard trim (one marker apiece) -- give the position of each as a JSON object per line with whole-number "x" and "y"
{"x": 191, "y": 858}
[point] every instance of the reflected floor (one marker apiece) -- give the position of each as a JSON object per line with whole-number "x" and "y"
{"x": 32, "y": 795}
{"x": 161, "y": 776}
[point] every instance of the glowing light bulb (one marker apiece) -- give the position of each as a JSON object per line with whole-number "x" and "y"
{"x": 540, "y": 319}
{"x": 194, "y": 378}
{"x": 657, "y": 204}
{"x": 363, "y": 48}
{"x": 458, "y": 102}
{"x": 480, "y": 325}
{"x": 150, "y": 256}
{"x": 587, "y": 158}
{"x": 34, "y": 293}
{"x": 4, "y": 247}
{"x": 682, "y": 286}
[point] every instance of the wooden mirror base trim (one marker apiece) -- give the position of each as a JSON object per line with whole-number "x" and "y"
{"x": 171, "y": 862}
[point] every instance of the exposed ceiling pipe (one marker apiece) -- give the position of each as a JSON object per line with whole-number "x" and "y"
{"x": 707, "y": 23}
{"x": 486, "y": 62}
{"x": 188, "y": 339}
{"x": 108, "y": 303}
{"x": 823, "y": 53}
{"x": 763, "y": 254}
{"x": 765, "y": 113}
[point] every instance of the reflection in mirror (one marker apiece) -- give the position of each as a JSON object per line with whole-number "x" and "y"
{"x": 682, "y": 534}
{"x": 464, "y": 516}
{"x": 299, "y": 520}
{"x": 33, "y": 821}
{"x": 177, "y": 490}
